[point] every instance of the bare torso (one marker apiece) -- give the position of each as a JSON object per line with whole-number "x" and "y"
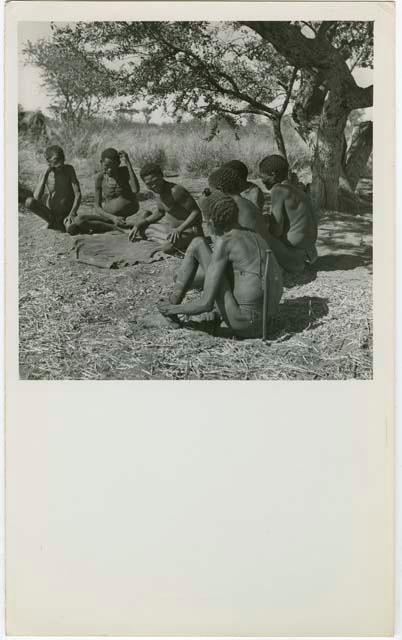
{"x": 118, "y": 196}
{"x": 247, "y": 252}
{"x": 250, "y": 217}
{"x": 300, "y": 228}
{"x": 60, "y": 190}
{"x": 254, "y": 194}
{"x": 174, "y": 212}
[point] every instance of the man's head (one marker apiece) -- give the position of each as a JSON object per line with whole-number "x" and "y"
{"x": 110, "y": 161}
{"x": 222, "y": 213}
{"x": 55, "y": 156}
{"x": 214, "y": 180}
{"x": 152, "y": 176}
{"x": 228, "y": 180}
{"x": 241, "y": 169}
{"x": 273, "y": 169}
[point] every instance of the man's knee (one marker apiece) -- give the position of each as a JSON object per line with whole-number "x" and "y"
{"x": 195, "y": 245}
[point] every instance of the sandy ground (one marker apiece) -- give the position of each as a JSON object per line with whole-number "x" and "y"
{"x": 81, "y": 322}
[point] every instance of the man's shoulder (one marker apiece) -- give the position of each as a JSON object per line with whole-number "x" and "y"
{"x": 281, "y": 188}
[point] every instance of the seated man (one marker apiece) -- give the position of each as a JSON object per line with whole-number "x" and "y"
{"x": 234, "y": 273}
{"x": 228, "y": 181}
{"x": 248, "y": 190}
{"x": 292, "y": 225}
{"x": 63, "y": 191}
{"x": 178, "y": 218}
{"x": 116, "y": 189}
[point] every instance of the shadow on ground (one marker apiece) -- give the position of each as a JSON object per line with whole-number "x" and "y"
{"x": 295, "y": 315}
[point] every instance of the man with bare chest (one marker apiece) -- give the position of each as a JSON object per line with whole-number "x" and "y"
{"x": 177, "y": 219}
{"x": 293, "y": 228}
{"x": 57, "y": 195}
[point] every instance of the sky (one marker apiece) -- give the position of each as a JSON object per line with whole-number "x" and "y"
{"x": 32, "y": 95}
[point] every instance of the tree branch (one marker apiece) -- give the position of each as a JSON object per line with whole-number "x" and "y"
{"x": 289, "y": 92}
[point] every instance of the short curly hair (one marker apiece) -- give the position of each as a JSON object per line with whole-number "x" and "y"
{"x": 275, "y": 164}
{"x": 110, "y": 154}
{"x": 151, "y": 169}
{"x": 222, "y": 211}
{"x": 214, "y": 179}
{"x": 228, "y": 180}
{"x": 239, "y": 166}
{"x": 54, "y": 150}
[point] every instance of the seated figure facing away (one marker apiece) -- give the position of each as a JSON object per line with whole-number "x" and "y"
{"x": 233, "y": 273}
{"x": 57, "y": 195}
{"x": 248, "y": 189}
{"x": 228, "y": 181}
{"x": 177, "y": 219}
{"x": 292, "y": 224}
{"x": 116, "y": 189}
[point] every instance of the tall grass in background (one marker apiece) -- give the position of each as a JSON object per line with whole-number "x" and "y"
{"x": 181, "y": 149}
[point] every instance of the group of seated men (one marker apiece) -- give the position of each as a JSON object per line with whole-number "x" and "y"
{"x": 229, "y": 262}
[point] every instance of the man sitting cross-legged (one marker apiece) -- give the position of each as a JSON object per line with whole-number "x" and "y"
{"x": 292, "y": 226}
{"x": 178, "y": 218}
{"x": 63, "y": 194}
{"x": 248, "y": 189}
{"x": 116, "y": 189}
{"x": 234, "y": 273}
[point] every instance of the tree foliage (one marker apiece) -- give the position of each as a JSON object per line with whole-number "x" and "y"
{"x": 74, "y": 78}
{"x": 198, "y": 68}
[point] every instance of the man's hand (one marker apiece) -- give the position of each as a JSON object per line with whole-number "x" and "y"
{"x": 136, "y": 230}
{"x": 174, "y": 236}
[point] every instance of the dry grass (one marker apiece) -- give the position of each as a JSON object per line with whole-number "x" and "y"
{"x": 79, "y": 322}
{"x": 179, "y": 148}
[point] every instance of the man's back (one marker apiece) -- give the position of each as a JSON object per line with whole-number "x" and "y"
{"x": 296, "y": 210}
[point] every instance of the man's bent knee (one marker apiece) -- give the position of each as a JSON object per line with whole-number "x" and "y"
{"x": 196, "y": 244}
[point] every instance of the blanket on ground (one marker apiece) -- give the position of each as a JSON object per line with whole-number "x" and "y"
{"x": 112, "y": 250}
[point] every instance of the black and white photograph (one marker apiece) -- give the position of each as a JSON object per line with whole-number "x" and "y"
{"x": 195, "y": 200}
{"x": 200, "y": 319}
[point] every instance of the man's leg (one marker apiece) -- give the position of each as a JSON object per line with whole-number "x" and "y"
{"x": 198, "y": 255}
{"x": 39, "y": 209}
{"x": 90, "y": 222}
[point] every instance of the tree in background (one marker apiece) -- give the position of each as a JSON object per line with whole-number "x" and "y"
{"x": 325, "y": 53}
{"x": 74, "y": 78}
{"x": 208, "y": 70}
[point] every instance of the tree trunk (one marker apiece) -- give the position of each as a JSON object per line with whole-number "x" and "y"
{"x": 327, "y": 158}
{"x": 359, "y": 151}
{"x": 280, "y": 143}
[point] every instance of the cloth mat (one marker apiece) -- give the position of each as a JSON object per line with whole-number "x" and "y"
{"x": 112, "y": 250}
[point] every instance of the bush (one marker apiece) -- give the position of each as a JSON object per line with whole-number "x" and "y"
{"x": 181, "y": 148}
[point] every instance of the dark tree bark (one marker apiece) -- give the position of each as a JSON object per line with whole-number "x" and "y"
{"x": 280, "y": 143}
{"x": 359, "y": 152}
{"x": 326, "y": 79}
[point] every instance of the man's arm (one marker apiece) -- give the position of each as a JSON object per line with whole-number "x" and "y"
{"x": 134, "y": 184}
{"x": 182, "y": 197}
{"x": 149, "y": 218}
{"x": 213, "y": 280}
{"x": 276, "y": 223}
{"x": 40, "y": 187}
{"x": 77, "y": 193}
